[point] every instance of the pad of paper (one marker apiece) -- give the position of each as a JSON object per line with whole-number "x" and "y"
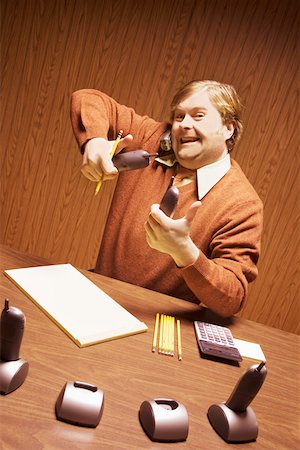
{"x": 79, "y": 307}
{"x": 250, "y": 350}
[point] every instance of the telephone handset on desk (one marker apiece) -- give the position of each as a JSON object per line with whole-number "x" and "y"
{"x": 13, "y": 369}
{"x": 234, "y": 420}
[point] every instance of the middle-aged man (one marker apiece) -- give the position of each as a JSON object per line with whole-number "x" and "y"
{"x": 207, "y": 251}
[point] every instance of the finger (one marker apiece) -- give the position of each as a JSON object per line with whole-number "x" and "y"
{"x": 85, "y": 170}
{"x": 107, "y": 164}
{"x": 84, "y": 159}
{"x": 150, "y": 237}
{"x": 94, "y": 169}
{"x": 150, "y": 234}
{"x": 125, "y": 141}
{"x": 152, "y": 222}
{"x": 108, "y": 167}
{"x": 90, "y": 174}
{"x": 160, "y": 218}
{"x": 192, "y": 211}
{"x": 156, "y": 213}
{"x": 109, "y": 176}
{"x": 87, "y": 175}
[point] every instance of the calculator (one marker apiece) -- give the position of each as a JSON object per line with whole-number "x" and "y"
{"x": 215, "y": 340}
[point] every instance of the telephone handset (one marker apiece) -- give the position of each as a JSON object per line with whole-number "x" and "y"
{"x": 170, "y": 199}
{"x": 166, "y": 141}
{"x": 136, "y": 159}
{"x": 139, "y": 159}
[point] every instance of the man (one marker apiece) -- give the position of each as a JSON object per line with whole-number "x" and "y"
{"x": 208, "y": 250}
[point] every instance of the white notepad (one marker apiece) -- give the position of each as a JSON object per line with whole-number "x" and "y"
{"x": 250, "y": 350}
{"x": 79, "y": 307}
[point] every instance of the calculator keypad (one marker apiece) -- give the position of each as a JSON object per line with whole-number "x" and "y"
{"x": 216, "y": 340}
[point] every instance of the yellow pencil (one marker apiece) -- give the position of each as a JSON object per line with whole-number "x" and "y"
{"x": 172, "y": 335}
{"x": 161, "y": 333}
{"x": 111, "y": 155}
{"x": 179, "y": 340}
{"x": 164, "y": 340}
{"x": 155, "y": 332}
{"x": 167, "y": 335}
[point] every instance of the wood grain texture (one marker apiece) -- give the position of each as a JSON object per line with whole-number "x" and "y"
{"x": 141, "y": 53}
{"x": 129, "y": 373}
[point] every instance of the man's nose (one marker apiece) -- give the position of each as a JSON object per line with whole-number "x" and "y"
{"x": 186, "y": 122}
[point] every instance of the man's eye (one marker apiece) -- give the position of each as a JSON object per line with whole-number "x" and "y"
{"x": 199, "y": 115}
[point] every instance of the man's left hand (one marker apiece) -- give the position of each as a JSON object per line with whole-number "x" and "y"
{"x": 172, "y": 236}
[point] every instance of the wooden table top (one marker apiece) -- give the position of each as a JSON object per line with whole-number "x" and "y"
{"x": 129, "y": 373}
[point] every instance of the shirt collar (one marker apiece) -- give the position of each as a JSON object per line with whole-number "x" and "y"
{"x": 207, "y": 176}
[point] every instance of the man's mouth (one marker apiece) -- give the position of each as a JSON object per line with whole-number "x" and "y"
{"x": 187, "y": 140}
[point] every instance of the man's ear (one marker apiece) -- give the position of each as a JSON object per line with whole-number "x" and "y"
{"x": 228, "y": 130}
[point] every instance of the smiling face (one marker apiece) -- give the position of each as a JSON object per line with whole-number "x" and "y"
{"x": 198, "y": 133}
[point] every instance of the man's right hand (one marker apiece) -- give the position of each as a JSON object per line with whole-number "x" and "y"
{"x": 97, "y": 162}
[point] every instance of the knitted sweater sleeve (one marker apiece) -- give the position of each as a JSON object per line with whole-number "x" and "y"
{"x": 220, "y": 280}
{"x": 95, "y": 114}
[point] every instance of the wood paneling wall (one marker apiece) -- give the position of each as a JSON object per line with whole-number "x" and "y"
{"x": 141, "y": 52}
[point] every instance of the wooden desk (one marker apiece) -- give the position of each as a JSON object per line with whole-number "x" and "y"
{"x": 129, "y": 373}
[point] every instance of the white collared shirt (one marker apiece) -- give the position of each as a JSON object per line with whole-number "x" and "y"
{"x": 208, "y": 176}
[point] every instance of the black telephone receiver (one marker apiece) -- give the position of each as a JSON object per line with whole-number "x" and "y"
{"x": 247, "y": 387}
{"x": 170, "y": 199}
{"x": 166, "y": 141}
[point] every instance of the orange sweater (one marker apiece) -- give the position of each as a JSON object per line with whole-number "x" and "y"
{"x": 227, "y": 228}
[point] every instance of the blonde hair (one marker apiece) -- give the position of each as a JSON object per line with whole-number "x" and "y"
{"x": 223, "y": 97}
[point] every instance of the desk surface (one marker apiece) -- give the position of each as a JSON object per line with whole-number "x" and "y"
{"x": 129, "y": 373}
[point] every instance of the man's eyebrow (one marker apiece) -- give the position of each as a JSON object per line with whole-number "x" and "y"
{"x": 193, "y": 109}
